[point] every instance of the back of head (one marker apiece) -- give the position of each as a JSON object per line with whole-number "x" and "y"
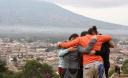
{"x": 94, "y": 27}
{"x": 93, "y": 30}
{"x": 90, "y": 30}
{"x": 84, "y": 33}
{"x": 73, "y": 36}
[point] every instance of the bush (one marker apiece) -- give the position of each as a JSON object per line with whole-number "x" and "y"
{"x": 125, "y": 67}
{"x": 2, "y": 66}
{"x": 34, "y": 69}
{"x": 111, "y": 72}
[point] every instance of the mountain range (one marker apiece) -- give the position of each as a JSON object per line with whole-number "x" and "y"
{"x": 34, "y": 16}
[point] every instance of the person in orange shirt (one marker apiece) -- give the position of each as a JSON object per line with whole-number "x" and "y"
{"x": 92, "y": 64}
{"x": 104, "y": 52}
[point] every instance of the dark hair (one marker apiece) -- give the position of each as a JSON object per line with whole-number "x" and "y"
{"x": 90, "y": 31}
{"x": 84, "y": 33}
{"x": 93, "y": 29}
{"x": 73, "y": 36}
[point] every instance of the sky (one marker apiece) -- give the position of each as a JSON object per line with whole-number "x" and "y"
{"x": 113, "y": 11}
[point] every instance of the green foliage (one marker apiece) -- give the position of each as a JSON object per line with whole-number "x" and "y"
{"x": 125, "y": 67}
{"x": 8, "y": 74}
{"x": 2, "y": 66}
{"x": 111, "y": 72}
{"x": 4, "y": 72}
{"x": 32, "y": 69}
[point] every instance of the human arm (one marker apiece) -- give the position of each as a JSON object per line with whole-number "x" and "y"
{"x": 62, "y": 52}
{"x": 88, "y": 48}
{"x": 69, "y": 43}
{"x": 104, "y": 38}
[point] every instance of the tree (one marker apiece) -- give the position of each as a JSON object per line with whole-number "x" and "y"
{"x": 125, "y": 67}
{"x": 34, "y": 69}
{"x": 2, "y": 68}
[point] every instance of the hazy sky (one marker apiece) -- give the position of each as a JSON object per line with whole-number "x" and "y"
{"x": 114, "y": 11}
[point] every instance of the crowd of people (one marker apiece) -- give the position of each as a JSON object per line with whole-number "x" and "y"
{"x": 85, "y": 56}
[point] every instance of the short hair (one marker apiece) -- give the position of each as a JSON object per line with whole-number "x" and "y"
{"x": 84, "y": 33}
{"x": 90, "y": 30}
{"x": 73, "y": 36}
{"x": 93, "y": 29}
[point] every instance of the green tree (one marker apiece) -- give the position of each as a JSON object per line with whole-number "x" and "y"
{"x": 125, "y": 67}
{"x": 2, "y": 66}
{"x": 111, "y": 72}
{"x": 34, "y": 69}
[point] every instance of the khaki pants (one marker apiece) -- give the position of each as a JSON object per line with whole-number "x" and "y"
{"x": 93, "y": 70}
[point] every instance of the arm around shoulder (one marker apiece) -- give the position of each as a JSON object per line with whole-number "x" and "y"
{"x": 69, "y": 43}
{"x": 105, "y": 38}
{"x": 62, "y": 52}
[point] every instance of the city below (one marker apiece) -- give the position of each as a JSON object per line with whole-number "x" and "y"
{"x": 17, "y": 52}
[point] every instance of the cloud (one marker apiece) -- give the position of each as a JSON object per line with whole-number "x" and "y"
{"x": 114, "y": 11}
{"x": 92, "y": 3}
{"x": 113, "y": 15}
